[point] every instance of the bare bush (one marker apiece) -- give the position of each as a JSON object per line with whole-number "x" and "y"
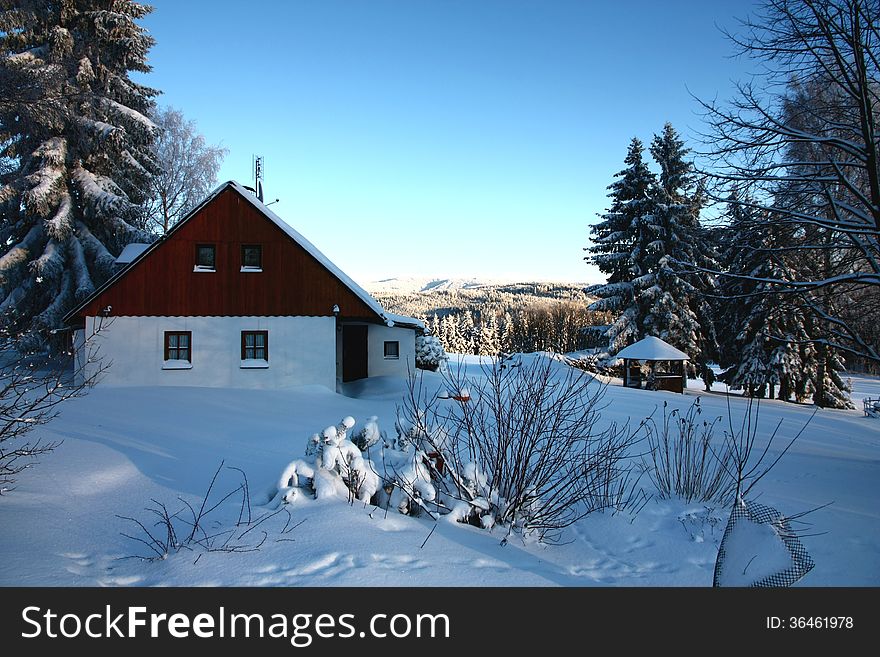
{"x": 685, "y": 462}
{"x": 521, "y": 445}
{"x": 167, "y": 533}
{"x": 33, "y": 385}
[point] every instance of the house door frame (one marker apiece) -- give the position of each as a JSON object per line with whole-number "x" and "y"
{"x": 355, "y": 352}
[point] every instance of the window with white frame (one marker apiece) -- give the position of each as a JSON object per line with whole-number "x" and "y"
{"x": 178, "y": 350}
{"x": 254, "y": 349}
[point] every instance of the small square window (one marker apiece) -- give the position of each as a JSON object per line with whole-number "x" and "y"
{"x": 255, "y": 345}
{"x": 205, "y": 257}
{"x": 251, "y": 257}
{"x": 392, "y": 349}
{"x": 178, "y": 346}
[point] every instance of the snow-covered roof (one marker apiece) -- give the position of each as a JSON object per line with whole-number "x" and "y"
{"x": 652, "y": 348}
{"x": 390, "y": 319}
{"x": 403, "y": 320}
{"x": 130, "y": 252}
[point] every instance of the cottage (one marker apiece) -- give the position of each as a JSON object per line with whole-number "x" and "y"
{"x": 232, "y": 296}
{"x": 664, "y": 362}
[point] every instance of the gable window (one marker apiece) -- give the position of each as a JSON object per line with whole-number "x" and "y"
{"x": 206, "y": 257}
{"x": 392, "y": 349}
{"x": 251, "y": 257}
{"x": 178, "y": 350}
{"x": 255, "y": 349}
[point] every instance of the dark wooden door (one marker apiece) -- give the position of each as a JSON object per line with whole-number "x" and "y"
{"x": 354, "y": 352}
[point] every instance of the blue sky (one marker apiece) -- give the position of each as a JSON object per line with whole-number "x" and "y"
{"x": 441, "y": 137}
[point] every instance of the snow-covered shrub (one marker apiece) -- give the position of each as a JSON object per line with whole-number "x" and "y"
{"x": 344, "y": 426}
{"x": 430, "y": 354}
{"x": 339, "y": 459}
{"x": 686, "y": 460}
{"x": 398, "y": 477}
{"x": 295, "y": 469}
{"x": 408, "y": 482}
{"x": 369, "y": 435}
{"x": 523, "y": 451}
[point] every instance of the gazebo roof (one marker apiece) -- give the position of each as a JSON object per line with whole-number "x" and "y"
{"x": 652, "y": 348}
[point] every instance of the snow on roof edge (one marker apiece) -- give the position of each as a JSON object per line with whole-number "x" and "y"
{"x": 404, "y": 320}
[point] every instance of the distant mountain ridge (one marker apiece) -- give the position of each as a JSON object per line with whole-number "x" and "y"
{"x": 423, "y": 297}
{"x": 404, "y": 286}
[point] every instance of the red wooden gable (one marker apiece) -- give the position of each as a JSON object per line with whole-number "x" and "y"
{"x": 292, "y": 280}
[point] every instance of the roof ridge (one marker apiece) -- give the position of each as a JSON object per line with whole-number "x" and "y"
{"x": 289, "y": 230}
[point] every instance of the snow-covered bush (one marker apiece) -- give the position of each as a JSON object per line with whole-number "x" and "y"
{"x": 338, "y": 459}
{"x": 517, "y": 448}
{"x": 369, "y": 435}
{"x": 522, "y": 449}
{"x": 409, "y": 485}
{"x": 397, "y": 477}
{"x": 430, "y": 354}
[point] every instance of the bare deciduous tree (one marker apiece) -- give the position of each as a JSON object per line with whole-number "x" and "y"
{"x": 800, "y": 143}
{"x": 189, "y": 170}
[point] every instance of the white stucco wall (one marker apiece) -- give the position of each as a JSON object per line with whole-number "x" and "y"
{"x": 301, "y": 351}
{"x": 377, "y": 364}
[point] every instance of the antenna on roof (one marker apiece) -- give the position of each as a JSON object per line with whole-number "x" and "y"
{"x": 258, "y": 177}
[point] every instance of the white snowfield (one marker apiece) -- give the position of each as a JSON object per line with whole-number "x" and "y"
{"x": 124, "y": 446}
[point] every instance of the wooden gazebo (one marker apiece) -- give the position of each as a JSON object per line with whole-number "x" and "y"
{"x": 665, "y": 362}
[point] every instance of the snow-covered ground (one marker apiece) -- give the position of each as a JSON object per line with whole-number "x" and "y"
{"x": 125, "y": 446}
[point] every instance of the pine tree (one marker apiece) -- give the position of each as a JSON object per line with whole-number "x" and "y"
{"x": 649, "y": 234}
{"x": 763, "y": 336}
{"x": 75, "y": 131}
{"x": 619, "y": 247}
{"x": 677, "y": 310}
{"x": 467, "y": 332}
{"x": 525, "y": 338}
{"x": 436, "y": 327}
{"x": 489, "y": 343}
{"x": 832, "y": 391}
{"x": 453, "y": 342}
{"x": 507, "y": 333}
{"x": 744, "y": 345}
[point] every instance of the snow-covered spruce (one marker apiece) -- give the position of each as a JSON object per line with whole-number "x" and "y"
{"x": 769, "y": 340}
{"x": 77, "y": 132}
{"x": 650, "y": 230}
{"x": 429, "y": 352}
